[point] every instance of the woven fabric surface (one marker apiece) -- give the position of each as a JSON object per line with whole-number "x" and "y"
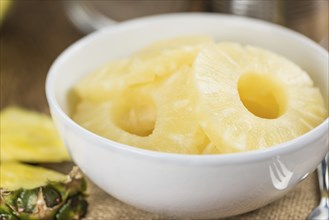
{"x": 296, "y": 205}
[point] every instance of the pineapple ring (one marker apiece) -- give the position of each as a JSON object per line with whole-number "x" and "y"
{"x": 250, "y": 98}
{"x": 160, "y": 59}
{"x": 101, "y": 84}
{"x": 156, "y": 117}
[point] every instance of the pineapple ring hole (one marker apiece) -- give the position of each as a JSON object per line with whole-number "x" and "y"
{"x": 136, "y": 114}
{"x": 263, "y": 95}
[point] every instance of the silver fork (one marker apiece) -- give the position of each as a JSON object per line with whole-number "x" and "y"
{"x": 321, "y": 212}
{"x": 280, "y": 174}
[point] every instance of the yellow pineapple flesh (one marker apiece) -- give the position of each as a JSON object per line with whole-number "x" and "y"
{"x": 250, "y": 98}
{"x": 29, "y": 136}
{"x": 190, "y": 95}
{"x": 102, "y": 83}
{"x": 26, "y": 176}
{"x": 159, "y": 47}
{"x": 158, "y": 60}
{"x": 165, "y": 57}
{"x": 156, "y": 117}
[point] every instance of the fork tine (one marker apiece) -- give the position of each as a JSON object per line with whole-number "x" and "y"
{"x": 274, "y": 170}
{"x": 284, "y": 169}
{"x": 280, "y": 174}
{"x": 273, "y": 176}
{"x": 279, "y": 170}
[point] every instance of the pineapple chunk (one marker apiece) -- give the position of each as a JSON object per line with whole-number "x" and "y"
{"x": 29, "y": 136}
{"x": 157, "y": 117}
{"x": 249, "y": 98}
{"x": 102, "y": 84}
{"x": 158, "y": 60}
{"x": 165, "y": 57}
{"x": 48, "y": 195}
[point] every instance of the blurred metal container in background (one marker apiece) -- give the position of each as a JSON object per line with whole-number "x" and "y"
{"x": 89, "y": 16}
{"x": 309, "y": 17}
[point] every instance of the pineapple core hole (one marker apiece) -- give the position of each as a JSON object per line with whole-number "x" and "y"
{"x": 263, "y": 95}
{"x": 136, "y": 114}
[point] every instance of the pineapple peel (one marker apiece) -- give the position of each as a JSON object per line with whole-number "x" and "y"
{"x": 194, "y": 96}
{"x": 30, "y": 137}
{"x": 32, "y": 192}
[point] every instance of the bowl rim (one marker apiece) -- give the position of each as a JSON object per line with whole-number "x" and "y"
{"x": 215, "y": 159}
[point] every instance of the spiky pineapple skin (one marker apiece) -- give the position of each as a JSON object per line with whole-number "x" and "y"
{"x": 74, "y": 208}
{"x": 50, "y": 201}
{"x": 5, "y": 212}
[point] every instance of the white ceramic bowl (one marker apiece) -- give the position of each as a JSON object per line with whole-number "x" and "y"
{"x": 195, "y": 186}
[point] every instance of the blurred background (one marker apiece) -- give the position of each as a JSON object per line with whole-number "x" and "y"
{"x": 34, "y": 32}
{"x": 309, "y": 17}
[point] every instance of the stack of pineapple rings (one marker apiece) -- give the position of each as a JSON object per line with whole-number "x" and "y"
{"x": 190, "y": 95}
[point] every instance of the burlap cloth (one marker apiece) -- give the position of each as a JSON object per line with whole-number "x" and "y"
{"x": 296, "y": 205}
{"x": 33, "y": 35}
